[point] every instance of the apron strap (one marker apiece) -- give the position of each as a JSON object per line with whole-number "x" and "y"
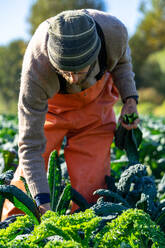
{"x": 102, "y": 54}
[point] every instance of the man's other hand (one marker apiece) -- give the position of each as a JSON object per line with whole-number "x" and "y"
{"x": 129, "y": 107}
{"x": 44, "y": 207}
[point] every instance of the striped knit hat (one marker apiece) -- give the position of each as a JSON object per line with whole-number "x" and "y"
{"x": 73, "y": 41}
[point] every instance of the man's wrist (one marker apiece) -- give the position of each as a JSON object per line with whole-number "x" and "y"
{"x": 131, "y": 101}
{"x": 42, "y": 198}
{"x": 135, "y": 98}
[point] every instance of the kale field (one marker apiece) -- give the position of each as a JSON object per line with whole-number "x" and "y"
{"x": 129, "y": 213}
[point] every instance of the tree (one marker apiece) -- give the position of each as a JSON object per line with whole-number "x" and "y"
{"x": 152, "y": 27}
{"x": 44, "y": 9}
{"x": 149, "y": 38}
{"x": 153, "y": 71}
{"x": 11, "y": 57}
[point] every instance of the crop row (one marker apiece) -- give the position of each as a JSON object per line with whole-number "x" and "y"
{"x": 129, "y": 213}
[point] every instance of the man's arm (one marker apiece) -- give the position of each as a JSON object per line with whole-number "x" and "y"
{"x": 124, "y": 80}
{"x": 120, "y": 64}
{"x": 118, "y": 52}
{"x": 38, "y": 83}
{"x": 122, "y": 72}
{"x": 32, "y": 108}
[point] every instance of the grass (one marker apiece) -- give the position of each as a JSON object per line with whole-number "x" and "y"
{"x": 8, "y": 108}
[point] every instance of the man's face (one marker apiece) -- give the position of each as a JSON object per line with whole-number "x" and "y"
{"x": 75, "y": 77}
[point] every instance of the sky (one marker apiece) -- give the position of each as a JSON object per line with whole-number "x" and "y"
{"x": 14, "y": 14}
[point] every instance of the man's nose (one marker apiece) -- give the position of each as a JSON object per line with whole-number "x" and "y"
{"x": 73, "y": 78}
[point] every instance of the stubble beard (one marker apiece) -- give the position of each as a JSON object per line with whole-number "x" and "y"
{"x": 80, "y": 81}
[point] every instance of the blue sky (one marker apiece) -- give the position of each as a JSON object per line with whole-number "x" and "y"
{"x": 14, "y": 14}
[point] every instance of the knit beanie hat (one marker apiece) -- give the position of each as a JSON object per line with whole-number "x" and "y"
{"x": 73, "y": 42}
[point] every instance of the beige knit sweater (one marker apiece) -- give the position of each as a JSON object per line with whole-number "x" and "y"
{"x": 40, "y": 82}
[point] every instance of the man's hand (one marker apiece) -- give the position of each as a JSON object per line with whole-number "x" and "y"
{"x": 129, "y": 107}
{"x": 44, "y": 207}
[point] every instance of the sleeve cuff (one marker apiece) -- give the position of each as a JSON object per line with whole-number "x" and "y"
{"x": 42, "y": 198}
{"x": 134, "y": 97}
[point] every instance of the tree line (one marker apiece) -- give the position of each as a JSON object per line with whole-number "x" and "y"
{"x": 147, "y": 44}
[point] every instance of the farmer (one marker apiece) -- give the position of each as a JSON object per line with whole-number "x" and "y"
{"x": 74, "y": 68}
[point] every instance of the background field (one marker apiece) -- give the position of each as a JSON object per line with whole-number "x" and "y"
{"x": 144, "y": 20}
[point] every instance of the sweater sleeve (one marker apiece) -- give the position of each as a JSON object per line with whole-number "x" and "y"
{"x": 122, "y": 73}
{"x": 32, "y": 108}
{"x": 118, "y": 52}
{"x": 38, "y": 83}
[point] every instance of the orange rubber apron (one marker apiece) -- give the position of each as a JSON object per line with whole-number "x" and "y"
{"x": 88, "y": 121}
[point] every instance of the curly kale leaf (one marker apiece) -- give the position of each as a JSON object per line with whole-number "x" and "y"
{"x": 20, "y": 226}
{"x": 130, "y": 175}
{"x": 133, "y": 227}
{"x": 111, "y": 195}
{"x": 64, "y": 244}
{"x": 148, "y": 197}
{"x": 161, "y": 185}
{"x": 69, "y": 227}
{"x": 6, "y": 177}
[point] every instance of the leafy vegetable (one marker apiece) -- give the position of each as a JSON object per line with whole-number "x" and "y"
{"x": 134, "y": 228}
{"x": 64, "y": 244}
{"x": 54, "y": 178}
{"x": 107, "y": 208}
{"x": 20, "y": 200}
{"x": 6, "y": 177}
{"x": 130, "y": 118}
{"x": 129, "y": 175}
{"x": 23, "y": 224}
{"x": 64, "y": 200}
{"x": 129, "y": 140}
{"x": 79, "y": 199}
{"x": 136, "y": 190}
{"x": 26, "y": 186}
{"x": 110, "y": 194}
